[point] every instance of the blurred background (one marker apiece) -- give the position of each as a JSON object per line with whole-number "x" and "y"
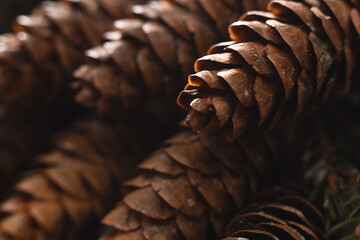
{"x": 9, "y": 9}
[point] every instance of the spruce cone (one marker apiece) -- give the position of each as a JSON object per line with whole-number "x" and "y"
{"x": 74, "y": 184}
{"x": 280, "y": 62}
{"x": 37, "y": 62}
{"x": 189, "y": 188}
{"x": 152, "y": 55}
{"x": 287, "y": 217}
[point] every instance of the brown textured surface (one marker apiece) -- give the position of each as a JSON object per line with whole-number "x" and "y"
{"x": 279, "y": 63}
{"x": 188, "y": 188}
{"x": 287, "y": 216}
{"x": 355, "y": 17}
{"x": 75, "y": 182}
{"x": 37, "y": 61}
{"x": 151, "y": 56}
{"x": 24, "y": 133}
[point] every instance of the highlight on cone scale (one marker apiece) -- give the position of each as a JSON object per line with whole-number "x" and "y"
{"x": 285, "y": 214}
{"x": 275, "y": 65}
{"x": 75, "y": 183}
{"x": 189, "y": 188}
{"x": 36, "y": 62}
{"x": 151, "y": 55}
{"x": 280, "y": 63}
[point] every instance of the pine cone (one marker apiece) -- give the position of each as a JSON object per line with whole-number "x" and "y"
{"x": 74, "y": 184}
{"x": 288, "y": 216}
{"x": 37, "y": 62}
{"x": 279, "y": 63}
{"x": 152, "y": 55}
{"x": 188, "y": 188}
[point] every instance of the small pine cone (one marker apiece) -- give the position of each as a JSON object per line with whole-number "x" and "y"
{"x": 151, "y": 55}
{"x": 279, "y": 63}
{"x": 74, "y": 185}
{"x": 37, "y": 62}
{"x": 189, "y": 188}
{"x": 288, "y": 216}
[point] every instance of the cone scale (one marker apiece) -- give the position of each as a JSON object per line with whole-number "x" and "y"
{"x": 37, "y": 61}
{"x": 189, "y": 187}
{"x": 75, "y": 183}
{"x": 280, "y": 63}
{"x": 151, "y": 55}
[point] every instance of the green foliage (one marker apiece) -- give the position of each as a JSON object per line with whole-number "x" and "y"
{"x": 331, "y": 167}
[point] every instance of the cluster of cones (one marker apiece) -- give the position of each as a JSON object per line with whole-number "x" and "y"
{"x": 99, "y": 79}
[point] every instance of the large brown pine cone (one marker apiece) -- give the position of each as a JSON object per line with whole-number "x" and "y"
{"x": 75, "y": 183}
{"x": 189, "y": 188}
{"x": 279, "y": 63}
{"x": 151, "y": 55}
{"x": 37, "y": 61}
{"x": 284, "y": 216}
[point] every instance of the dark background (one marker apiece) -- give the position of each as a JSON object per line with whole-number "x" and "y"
{"x": 9, "y": 9}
